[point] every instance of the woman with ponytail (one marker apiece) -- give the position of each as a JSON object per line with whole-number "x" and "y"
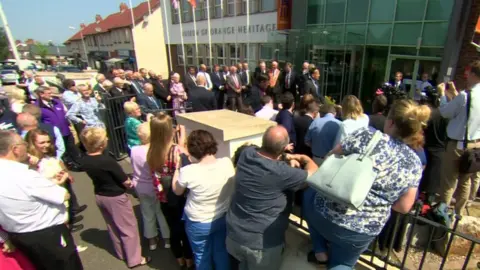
{"x": 349, "y": 232}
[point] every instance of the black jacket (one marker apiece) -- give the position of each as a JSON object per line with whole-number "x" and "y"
{"x": 253, "y": 98}
{"x": 293, "y": 81}
{"x": 311, "y": 89}
{"x": 148, "y": 105}
{"x": 202, "y": 99}
{"x": 217, "y": 80}
{"x": 189, "y": 83}
{"x": 160, "y": 90}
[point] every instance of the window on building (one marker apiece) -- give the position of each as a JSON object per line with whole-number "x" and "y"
{"x": 220, "y": 54}
{"x": 315, "y": 12}
{"x": 335, "y": 11}
{"x": 234, "y": 54}
{"x": 189, "y": 54}
{"x": 181, "y": 60}
{"x": 268, "y": 5}
{"x": 357, "y": 10}
{"x": 94, "y": 41}
{"x": 186, "y": 11}
{"x": 174, "y": 16}
{"x": 439, "y": 9}
{"x": 232, "y": 7}
{"x": 252, "y": 55}
{"x": 253, "y": 6}
{"x": 381, "y": 10}
{"x": 266, "y": 52}
{"x": 218, "y": 9}
{"x": 127, "y": 35}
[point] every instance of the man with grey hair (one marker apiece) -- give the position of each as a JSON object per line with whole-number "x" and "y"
{"x": 148, "y": 102}
{"x": 32, "y": 209}
{"x": 258, "y": 215}
{"x": 100, "y": 78}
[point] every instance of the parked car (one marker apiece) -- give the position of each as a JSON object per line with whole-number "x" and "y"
{"x": 68, "y": 69}
{"x": 9, "y": 76}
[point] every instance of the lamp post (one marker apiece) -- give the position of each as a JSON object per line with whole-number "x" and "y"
{"x": 83, "y": 43}
{"x": 10, "y": 37}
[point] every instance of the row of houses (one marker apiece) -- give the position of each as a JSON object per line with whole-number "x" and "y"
{"x": 114, "y": 41}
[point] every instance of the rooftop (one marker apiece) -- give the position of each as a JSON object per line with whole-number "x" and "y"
{"x": 116, "y": 20}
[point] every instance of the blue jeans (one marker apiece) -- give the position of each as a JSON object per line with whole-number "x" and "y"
{"x": 344, "y": 246}
{"x": 208, "y": 243}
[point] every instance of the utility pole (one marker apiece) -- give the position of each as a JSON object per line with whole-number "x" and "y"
{"x": 13, "y": 46}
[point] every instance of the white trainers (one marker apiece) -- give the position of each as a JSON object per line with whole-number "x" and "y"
{"x": 153, "y": 246}
{"x": 81, "y": 248}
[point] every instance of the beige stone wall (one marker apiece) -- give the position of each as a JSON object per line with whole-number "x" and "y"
{"x": 150, "y": 50}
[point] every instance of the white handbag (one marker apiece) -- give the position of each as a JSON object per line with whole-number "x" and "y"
{"x": 347, "y": 179}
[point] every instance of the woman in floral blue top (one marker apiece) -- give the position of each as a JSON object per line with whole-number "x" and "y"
{"x": 349, "y": 231}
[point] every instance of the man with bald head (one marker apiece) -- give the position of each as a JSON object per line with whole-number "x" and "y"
{"x": 148, "y": 102}
{"x": 200, "y": 97}
{"x": 208, "y": 82}
{"x": 258, "y": 214}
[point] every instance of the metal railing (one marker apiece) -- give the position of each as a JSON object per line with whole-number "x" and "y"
{"x": 114, "y": 119}
{"x": 413, "y": 220}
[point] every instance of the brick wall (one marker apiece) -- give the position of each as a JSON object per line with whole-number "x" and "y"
{"x": 468, "y": 52}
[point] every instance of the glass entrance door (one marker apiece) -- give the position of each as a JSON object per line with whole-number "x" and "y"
{"x": 416, "y": 71}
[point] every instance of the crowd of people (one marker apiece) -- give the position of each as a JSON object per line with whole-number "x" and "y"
{"x": 216, "y": 212}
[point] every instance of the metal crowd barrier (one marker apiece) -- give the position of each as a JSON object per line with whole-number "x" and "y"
{"x": 410, "y": 222}
{"x": 114, "y": 119}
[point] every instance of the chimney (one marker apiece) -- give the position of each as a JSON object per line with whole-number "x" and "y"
{"x": 98, "y": 18}
{"x": 82, "y": 25}
{"x": 123, "y": 7}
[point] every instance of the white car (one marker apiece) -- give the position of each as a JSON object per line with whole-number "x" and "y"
{"x": 9, "y": 76}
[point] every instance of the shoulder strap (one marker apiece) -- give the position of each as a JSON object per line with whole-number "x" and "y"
{"x": 373, "y": 142}
{"x": 469, "y": 102}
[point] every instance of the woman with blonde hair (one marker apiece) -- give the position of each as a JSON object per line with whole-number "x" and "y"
{"x": 110, "y": 184}
{"x": 348, "y": 231}
{"x": 17, "y": 100}
{"x": 162, "y": 157}
{"x": 353, "y": 117}
{"x": 142, "y": 181}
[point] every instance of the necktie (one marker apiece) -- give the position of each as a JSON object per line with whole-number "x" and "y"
{"x": 154, "y": 102}
{"x": 206, "y": 79}
{"x": 287, "y": 80}
{"x": 248, "y": 77}
{"x": 235, "y": 80}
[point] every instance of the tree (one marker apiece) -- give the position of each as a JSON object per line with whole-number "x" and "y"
{"x": 42, "y": 51}
{"x": 4, "y": 47}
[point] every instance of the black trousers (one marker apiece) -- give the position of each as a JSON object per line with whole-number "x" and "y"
{"x": 220, "y": 97}
{"x": 50, "y": 248}
{"x": 72, "y": 153}
{"x": 235, "y": 102}
{"x": 73, "y": 202}
{"x": 179, "y": 243}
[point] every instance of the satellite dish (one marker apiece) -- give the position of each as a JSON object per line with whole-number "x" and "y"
{"x": 98, "y": 29}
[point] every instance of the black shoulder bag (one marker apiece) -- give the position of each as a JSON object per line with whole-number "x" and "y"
{"x": 470, "y": 160}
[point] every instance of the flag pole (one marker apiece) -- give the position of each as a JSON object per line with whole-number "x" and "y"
{"x": 195, "y": 29}
{"x": 223, "y": 36}
{"x": 168, "y": 37}
{"x": 133, "y": 27}
{"x": 209, "y": 35}
{"x": 236, "y": 30}
{"x": 248, "y": 31}
{"x": 149, "y": 8}
{"x": 181, "y": 39}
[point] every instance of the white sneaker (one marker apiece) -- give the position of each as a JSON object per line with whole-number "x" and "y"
{"x": 81, "y": 248}
{"x": 153, "y": 246}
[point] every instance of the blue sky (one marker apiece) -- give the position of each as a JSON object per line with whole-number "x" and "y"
{"x": 45, "y": 20}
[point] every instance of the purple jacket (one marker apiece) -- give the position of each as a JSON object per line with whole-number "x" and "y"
{"x": 56, "y": 116}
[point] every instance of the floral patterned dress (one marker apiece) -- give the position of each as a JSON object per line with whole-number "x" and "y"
{"x": 399, "y": 168}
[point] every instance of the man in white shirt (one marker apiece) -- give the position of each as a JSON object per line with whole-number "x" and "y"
{"x": 32, "y": 209}
{"x": 208, "y": 81}
{"x": 454, "y": 107}
{"x": 267, "y": 112}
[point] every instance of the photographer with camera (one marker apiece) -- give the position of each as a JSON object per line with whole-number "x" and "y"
{"x": 463, "y": 110}
{"x": 435, "y": 142}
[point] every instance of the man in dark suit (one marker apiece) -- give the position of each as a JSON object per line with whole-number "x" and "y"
{"x": 398, "y": 82}
{"x": 254, "y": 94}
{"x": 259, "y": 70}
{"x": 218, "y": 86}
{"x": 148, "y": 102}
{"x": 234, "y": 90}
{"x": 190, "y": 79}
{"x": 312, "y": 86}
{"x": 303, "y": 77}
{"x": 201, "y": 98}
{"x": 160, "y": 90}
{"x": 289, "y": 80}
{"x": 302, "y": 123}
{"x": 100, "y": 78}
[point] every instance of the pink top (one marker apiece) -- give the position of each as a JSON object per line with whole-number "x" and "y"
{"x": 142, "y": 175}
{"x": 177, "y": 89}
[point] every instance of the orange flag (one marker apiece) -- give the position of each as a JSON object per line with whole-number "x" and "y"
{"x": 193, "y": 3}
{"x": 477, "y": 27}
